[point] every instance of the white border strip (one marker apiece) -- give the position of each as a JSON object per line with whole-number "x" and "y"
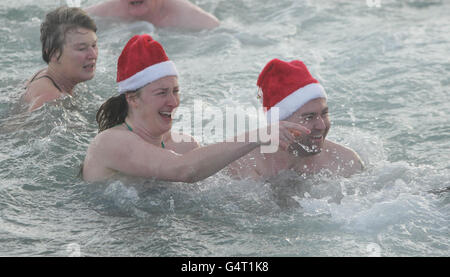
{"x": 298, "y": 98}
{"x": 148, "y": 75}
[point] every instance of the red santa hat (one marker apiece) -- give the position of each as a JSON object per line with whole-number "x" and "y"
{"x": 143, "y": 60}
{"x": 287, "y": 86}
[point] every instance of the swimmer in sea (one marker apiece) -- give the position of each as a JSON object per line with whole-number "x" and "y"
{"x": 161, "y": 13}
{"x": 69, "y": 47}
{"x": 135, "y": 136}
{"x": 300, "y": 99}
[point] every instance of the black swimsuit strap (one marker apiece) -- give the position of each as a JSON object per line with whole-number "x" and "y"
{"x": 45, "y": 76}
{"x": 53, "y": 81}
{"x": 35, "y": 75}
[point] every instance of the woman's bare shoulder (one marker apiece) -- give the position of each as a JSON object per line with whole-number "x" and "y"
{"x": 39, "y": 92}
{"x": 113, "y": 135}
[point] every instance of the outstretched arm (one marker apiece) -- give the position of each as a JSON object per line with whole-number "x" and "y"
{"x": 128, "y": 154}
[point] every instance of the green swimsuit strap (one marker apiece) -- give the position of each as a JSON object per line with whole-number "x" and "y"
{"x": 128, "y": 126}
{"x": 131, "y": 129}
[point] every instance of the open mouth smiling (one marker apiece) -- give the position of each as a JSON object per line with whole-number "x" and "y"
{"x": 166, "y": 114}
{"x": 136, "y": 3}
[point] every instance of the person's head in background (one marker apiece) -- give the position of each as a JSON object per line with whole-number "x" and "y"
{"x": 69, "y": 47}
{"x": 161, "y": 13}
{"x": 142, "y": 7}
{"x": 69, "y": 43}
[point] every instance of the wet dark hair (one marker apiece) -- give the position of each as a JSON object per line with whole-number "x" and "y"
{"x": 113, "y": 112}
{"x": 56, "y": 25}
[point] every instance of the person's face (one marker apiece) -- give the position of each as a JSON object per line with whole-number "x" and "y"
{"x": 141, "y": 7}
{"x": 79, "y": 55}
{"x": 156, "y": 103}
{"x": 314, "y": 116}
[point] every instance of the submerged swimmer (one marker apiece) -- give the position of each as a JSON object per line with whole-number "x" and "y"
{"x": 300, "y": 99}
{"x": 134, "y": 128}
{"x": 161, "y": 13}
{"x": 69, "y": 47}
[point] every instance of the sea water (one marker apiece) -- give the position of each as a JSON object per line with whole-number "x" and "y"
{"x": 385, "y": 66}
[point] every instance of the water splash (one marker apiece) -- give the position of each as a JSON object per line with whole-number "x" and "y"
{"x": 171, "y": 205}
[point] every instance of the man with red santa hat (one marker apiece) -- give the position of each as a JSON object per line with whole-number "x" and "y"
{"x": 298, "y": 98}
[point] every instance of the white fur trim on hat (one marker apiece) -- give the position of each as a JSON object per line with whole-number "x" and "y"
{"x": 297, "y": 99}
{"x": 148, "y": 75}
